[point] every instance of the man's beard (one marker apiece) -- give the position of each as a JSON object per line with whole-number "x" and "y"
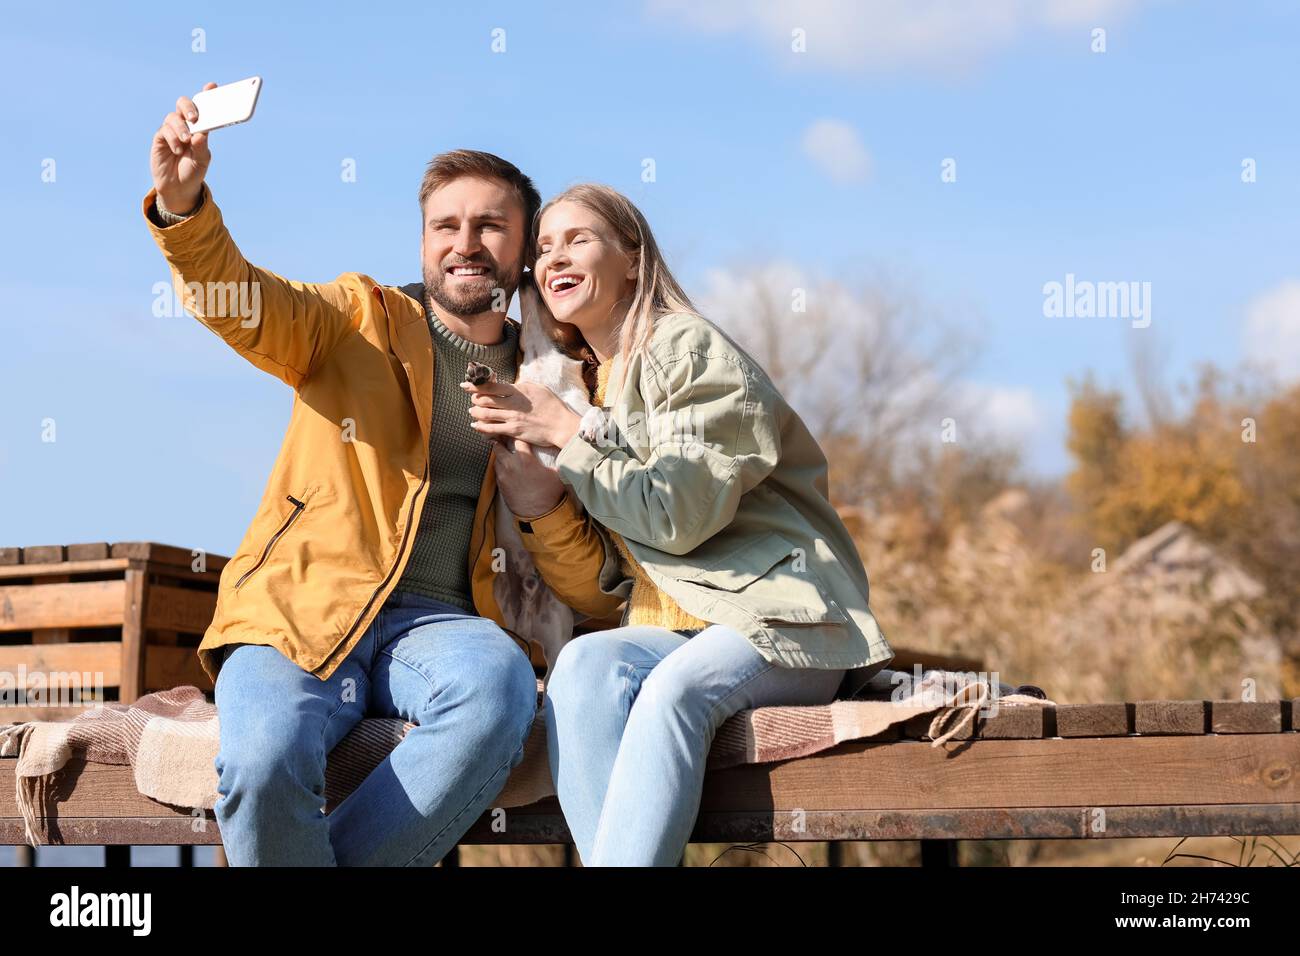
{"x": 474, "y": 298}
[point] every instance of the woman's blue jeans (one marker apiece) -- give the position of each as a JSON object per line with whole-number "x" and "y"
{"x": 630, "y": 716}
{"x": 463, "y": 680}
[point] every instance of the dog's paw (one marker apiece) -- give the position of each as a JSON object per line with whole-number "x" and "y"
{"x": 476, "y": 373}
{"x": 594, "y": 425}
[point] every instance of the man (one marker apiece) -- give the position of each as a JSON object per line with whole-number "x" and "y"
{"x": 357, "y": 589}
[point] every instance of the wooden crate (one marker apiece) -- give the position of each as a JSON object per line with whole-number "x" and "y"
{"x": 130, "y": 614}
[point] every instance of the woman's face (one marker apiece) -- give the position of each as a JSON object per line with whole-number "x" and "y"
{"x": 581, "y": 268}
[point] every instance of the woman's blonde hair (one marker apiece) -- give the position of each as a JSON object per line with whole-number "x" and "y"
{"x": 656, "y": 293}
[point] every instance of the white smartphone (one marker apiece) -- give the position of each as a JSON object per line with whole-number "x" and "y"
{"x": 225, "y": 105}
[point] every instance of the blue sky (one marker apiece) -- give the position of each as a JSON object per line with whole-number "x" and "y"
{"x": 1115, "y": 166}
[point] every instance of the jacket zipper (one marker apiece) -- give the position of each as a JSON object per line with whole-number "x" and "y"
{"x": 401, "y": 549}
{"x": 298, "y": 507}
{"x": 406, "y": 533}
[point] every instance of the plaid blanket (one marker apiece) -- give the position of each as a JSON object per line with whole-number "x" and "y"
{"x": 170, "y": 739}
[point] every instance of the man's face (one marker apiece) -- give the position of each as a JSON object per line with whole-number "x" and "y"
{"x": 472, "y": 248}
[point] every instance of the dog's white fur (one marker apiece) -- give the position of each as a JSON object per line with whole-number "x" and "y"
{"x": 528, "y": 605}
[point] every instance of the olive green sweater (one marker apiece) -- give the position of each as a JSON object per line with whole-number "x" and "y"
{"x": 458, "y": 457}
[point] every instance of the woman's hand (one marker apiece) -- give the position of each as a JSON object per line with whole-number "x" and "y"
{"x": 527, "y": 411}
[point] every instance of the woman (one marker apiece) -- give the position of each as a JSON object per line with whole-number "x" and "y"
{"x": 747, "y": 590}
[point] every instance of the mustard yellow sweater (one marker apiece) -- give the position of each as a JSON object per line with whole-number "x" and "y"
{"x": 647, "y": 604}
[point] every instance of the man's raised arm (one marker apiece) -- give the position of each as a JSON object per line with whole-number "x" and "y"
{"x": 281, "y": 326}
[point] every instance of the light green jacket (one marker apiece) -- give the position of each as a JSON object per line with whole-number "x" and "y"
{"x": 720, "y": 492}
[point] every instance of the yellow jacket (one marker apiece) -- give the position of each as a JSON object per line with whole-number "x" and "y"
{"x": 333, "y": 531}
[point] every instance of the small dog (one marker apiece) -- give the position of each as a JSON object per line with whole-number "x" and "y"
{"x": 529, "y": 607}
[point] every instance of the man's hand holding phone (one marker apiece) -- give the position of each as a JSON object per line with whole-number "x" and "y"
{"x": 179, "y": 159}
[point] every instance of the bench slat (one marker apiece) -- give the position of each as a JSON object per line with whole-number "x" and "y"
{"x": 1026, "y": 788}
{"x": 123, "y": 831}
{"x": 1246, "y": 717}
{"x": 543, "y": 823}
{"x": 1170, "y": 716}
{"x": 1094, "y": 720}
{"x": 1061, "y": 772}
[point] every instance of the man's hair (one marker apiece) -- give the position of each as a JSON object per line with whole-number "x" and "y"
{"x": 448, "y": 166}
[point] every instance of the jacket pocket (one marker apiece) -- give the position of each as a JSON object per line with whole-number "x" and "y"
{"x": 299, "y": 505}
{"x": 767, "y": 584}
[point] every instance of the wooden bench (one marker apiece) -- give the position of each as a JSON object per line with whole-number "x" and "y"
{"x": 1083, "y": 771}
{"x": 135, "y": 611}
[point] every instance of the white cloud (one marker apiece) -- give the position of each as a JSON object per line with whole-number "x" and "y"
{"x": 856, "y": 35}
{"x": 1272, "y": 331}
{"x": 1006, "y": 412}
{"x": 837, "y": 150}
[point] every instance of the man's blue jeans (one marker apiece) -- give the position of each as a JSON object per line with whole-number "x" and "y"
{"x": 631, "y": 714}
{"x": 463, "y": 680}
